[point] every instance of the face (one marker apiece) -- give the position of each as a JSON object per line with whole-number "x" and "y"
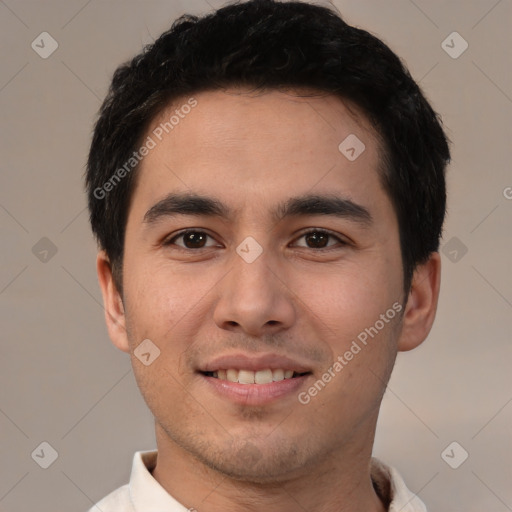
{"x": 258, "y": 251}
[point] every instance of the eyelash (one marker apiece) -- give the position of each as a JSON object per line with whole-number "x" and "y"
{"x": 170, "y": 241}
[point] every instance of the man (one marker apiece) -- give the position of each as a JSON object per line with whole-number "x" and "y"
{"x": 266, "y": 184}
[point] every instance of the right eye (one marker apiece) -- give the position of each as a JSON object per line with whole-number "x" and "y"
{"x": 192, "y": 239}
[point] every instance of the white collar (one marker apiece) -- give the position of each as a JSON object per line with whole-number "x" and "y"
{"x": 147, "y": 495}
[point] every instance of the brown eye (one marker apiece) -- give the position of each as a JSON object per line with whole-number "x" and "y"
{"x": 191, "y": 240}
{"x": 194, "y": 240}
{"x": 318, "y": 239}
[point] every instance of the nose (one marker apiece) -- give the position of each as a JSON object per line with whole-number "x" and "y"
{"x": 254, "y": 298}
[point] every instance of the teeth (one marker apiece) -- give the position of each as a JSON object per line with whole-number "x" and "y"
{"x": 232, "y": 375}
{"x": 246, "y": 377}
{"x": 250, "y": 377}
{"x": 277, "y": 375}
{"x": 263, "y": 377}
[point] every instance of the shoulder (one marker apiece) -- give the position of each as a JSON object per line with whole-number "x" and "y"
{"x": 117, "y": 501}
{"x": 393, "y": 490}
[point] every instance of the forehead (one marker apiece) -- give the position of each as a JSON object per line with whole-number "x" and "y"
{"x": 236, "y": 115}
{"x": 246, "y": 147}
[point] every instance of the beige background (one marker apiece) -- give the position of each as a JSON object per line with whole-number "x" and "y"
{"x": 63, "y": 382}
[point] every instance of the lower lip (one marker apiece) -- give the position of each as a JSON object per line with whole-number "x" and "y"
{"x": 256, "y": 394}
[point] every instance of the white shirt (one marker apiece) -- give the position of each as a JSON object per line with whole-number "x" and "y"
{"x": 145, "y": 494}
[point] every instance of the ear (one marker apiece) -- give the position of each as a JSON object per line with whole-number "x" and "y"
{"x": 421, "y": 306}
{"x": 113, "y": 303}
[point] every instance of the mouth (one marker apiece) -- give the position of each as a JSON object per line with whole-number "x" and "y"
{"x": 264, "y": 376}
{"x": 254, "y": 380}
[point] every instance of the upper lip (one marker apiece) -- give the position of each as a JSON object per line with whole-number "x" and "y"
{"x": 254, "y": 363}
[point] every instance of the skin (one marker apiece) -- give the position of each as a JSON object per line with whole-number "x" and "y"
{"x": 252, "y": 151}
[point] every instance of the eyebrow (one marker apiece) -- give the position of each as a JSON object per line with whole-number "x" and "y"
{"x": 310, "y": 204}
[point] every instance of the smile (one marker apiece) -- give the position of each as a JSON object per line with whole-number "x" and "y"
{"x": 265, "y": 376}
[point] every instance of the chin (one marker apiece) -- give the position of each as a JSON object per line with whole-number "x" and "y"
{"x": 251, "y": 464}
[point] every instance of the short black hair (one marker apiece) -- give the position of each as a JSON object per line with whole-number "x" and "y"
{"x": 265, "y": 45}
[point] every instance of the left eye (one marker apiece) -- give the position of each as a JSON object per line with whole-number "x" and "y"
{"x": 319, "y": 238}
{"x": 196, "y": 239}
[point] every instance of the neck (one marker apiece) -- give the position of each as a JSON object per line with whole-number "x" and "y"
{"x": 340, "y": 484}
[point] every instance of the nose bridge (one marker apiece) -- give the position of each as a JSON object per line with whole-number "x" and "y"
{"x": 252, "y": 296}
{"x": 252, "y": 272}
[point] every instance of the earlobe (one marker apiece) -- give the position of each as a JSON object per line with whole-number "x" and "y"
{"x": 113, "y": 304}
{"x": 421, "y": 306}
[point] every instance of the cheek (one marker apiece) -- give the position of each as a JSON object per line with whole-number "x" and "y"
{"x": 159, "y": 309}
{"x": 357, "y": 323}
{"x": 345, "y": 303}
{"x": 157, "y": 299}
{"x": 169, "y": 308}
